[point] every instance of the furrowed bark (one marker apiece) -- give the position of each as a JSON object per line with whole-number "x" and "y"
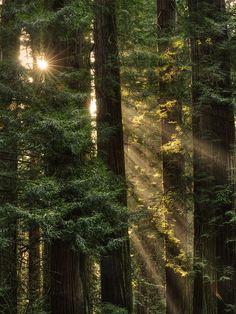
{"x": 8, "y": 167}
{"x": 213, "y": 139}
{"x": 115, "y": 267}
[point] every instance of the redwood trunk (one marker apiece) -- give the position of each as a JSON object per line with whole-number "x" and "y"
{"x": 213, "y": 138}
{"x": 115, "y": 267}
{"x": 67, "y": 286}
{"x": 8, "y": 165}
{"x": 34, "y": 265}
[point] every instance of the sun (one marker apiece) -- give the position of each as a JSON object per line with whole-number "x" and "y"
{"x": 42, "y": 64}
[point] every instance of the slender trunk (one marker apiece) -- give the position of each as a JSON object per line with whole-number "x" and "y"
{"x": 8, "y": 169}
{"x": 46, "y": 275}
{"x": 213, "y": 138}
{"x": 115, "y": 267}
{"x": 173, "y": 163}
{"x": 34, "y": 265}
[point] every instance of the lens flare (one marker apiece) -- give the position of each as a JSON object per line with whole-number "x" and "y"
{"x": 42, "y": 64}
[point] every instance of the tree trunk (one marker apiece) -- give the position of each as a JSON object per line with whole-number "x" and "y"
{"x": 115, "y": 267}
{"x": 213, "y": 138}
{"x": 8, "y": 167}
{"x": 34, "y": 265}
{"x": 173, "y": 162}
{"x": 67, "y": 285}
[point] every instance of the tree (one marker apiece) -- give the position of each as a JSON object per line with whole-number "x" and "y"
{"x": 115, "y": 266}
{"x": 213, "y": 139}
{"x": 68, "y": 267}
{"x": 172, "y": 158}
{"x": 8, "y": 155}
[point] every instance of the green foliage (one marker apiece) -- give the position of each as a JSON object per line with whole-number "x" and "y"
{"x": 36, "y": 308}
{"x": 83, "y": 210}
{"x": 111, "y": 309}
{"x": 138, "y": 49}
{"x": 61, "y": 187}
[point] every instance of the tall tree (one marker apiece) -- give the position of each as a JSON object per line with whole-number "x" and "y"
{"x": 115, "y": 266}
{"x": 213, "y": 138}
{"x": 172, "y": 157}
{"x": 8, "y": 156}
{"x": 68, "y": 267}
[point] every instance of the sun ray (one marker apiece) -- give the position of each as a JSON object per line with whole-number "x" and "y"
{"x": 150, "y": 265}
